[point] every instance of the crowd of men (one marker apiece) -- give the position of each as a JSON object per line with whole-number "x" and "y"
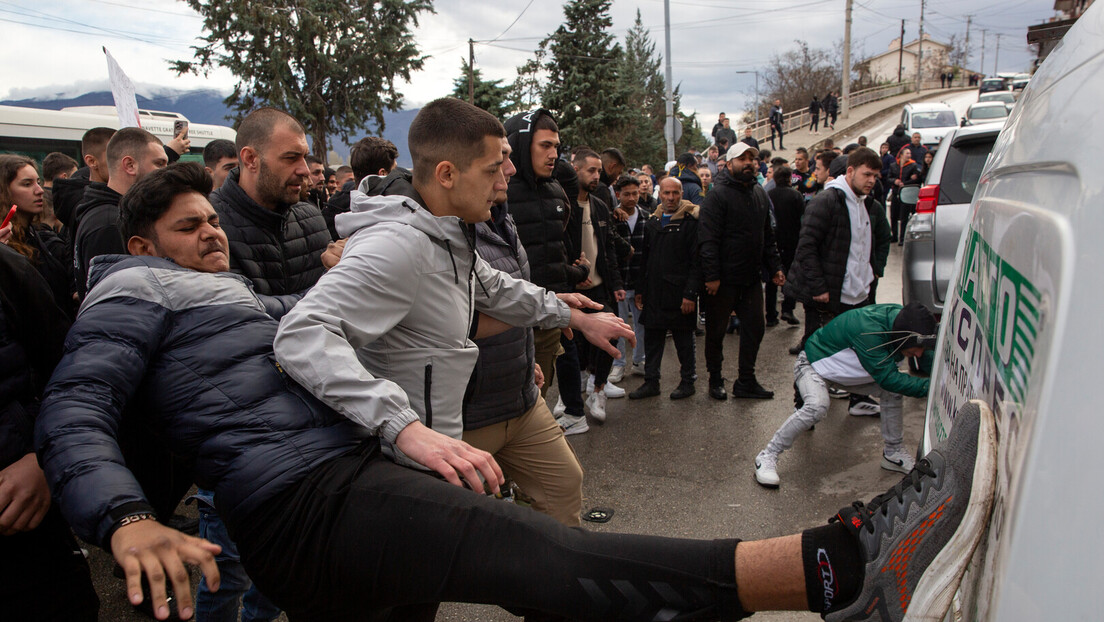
{"x": 352, "y": 365}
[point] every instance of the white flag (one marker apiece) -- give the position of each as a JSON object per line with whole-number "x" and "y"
{"x": 122, "y": 90}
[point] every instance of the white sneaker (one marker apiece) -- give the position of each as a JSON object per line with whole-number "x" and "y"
{"x": 617, "y": 373}
{"x": 766, "y": 469}
{"x": 613, "y": 391}
{"x": 898, "y": 460}
{"x": 589, "y": 384}
{"x": 638, "y": 369}
{"x": 865, "y": 409}
{"x": 596, "y": 404}
{"x": 573, "y": 425}
{"x": 560, "y": 409}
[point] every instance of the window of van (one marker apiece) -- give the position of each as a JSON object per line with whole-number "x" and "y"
{"x": 935, "y": 118}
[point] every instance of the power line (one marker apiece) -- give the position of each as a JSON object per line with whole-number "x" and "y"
{"x": 512, "y": 23}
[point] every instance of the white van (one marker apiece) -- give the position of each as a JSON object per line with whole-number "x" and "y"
{"x": 1022, "y": 330}
{"x": 932, "y": 120}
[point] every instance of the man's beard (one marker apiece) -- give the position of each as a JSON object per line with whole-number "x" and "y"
{"x": 745, "y": 176}
{"x": 272, "y": 188}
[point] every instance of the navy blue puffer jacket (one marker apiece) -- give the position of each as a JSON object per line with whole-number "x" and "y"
{"x": 193, "y": 352}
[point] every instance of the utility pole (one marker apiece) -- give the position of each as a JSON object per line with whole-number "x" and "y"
{"x": 471, "y": 72}
{"x": 901, "y": 53}
{"x": 845, "y": 105}
{"x": 966, "y": 61}
{"x": 920, "y": 51}
{"x": 982, "y": 64}
{"x": 996, "y": 59}
{"x": 670, "y": 98}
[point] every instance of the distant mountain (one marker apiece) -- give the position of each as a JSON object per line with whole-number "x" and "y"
{"x": 206, "y": 106}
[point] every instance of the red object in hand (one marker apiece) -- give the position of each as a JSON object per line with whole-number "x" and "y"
{"x": 11, "y": 213}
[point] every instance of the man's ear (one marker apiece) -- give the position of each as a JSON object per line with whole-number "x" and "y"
{"x": 445, "y": 174}
{"x": 129, "y": 165}
{"x": 249, "y": 159}
{"x": 138, "y": 245}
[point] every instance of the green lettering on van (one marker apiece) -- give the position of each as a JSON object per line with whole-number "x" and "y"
{"x": 1006, "y": 306}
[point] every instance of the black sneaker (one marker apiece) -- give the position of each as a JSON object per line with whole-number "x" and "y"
{"x": 683, "y": 391}
{"x": 917, "y": 538}
{"x": 751, "y": 389}
{"x": 788, "y": 317}
{"x": 650, "y": 388}
{"x": 798, "y": 349}
{"x": 772, "y": 321}
{"x": 716, "y": 389}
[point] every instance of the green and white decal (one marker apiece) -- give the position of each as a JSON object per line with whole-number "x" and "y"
{"x": 989, "y": 347}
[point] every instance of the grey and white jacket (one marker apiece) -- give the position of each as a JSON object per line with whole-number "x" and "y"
{"x": 383, "y": 338}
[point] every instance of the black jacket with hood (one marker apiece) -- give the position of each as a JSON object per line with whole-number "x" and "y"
{"x": 541, "y": 210}
{"x": 897, "y": 140}
{"x": 95, "y": 230}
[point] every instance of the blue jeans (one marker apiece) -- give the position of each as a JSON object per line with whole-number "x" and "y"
{"x": 236, "y": 589}
{"x": 627, "y": 311}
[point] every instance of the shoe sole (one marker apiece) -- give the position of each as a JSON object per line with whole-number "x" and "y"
{"x": 853, "y": 413}
{"x": 937, "y": 586}
{"x": 746, "y": 396}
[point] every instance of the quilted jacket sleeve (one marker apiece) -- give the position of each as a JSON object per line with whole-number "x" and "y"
{"x": 105, "y": 359}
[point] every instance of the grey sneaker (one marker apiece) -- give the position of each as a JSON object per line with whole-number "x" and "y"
{"x": 917, "y": 538}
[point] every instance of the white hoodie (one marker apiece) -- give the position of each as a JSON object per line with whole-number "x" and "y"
{"x": 383, "y": 336}
{"x": 859, "y": 274}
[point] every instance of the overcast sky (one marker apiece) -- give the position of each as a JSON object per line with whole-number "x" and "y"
{"x": 54, "y": 46}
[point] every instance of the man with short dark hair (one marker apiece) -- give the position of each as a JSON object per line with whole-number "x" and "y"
{"x": 131, "y": 154}
{"x": 316, "y": 179}
{"x": 737, "y": 247}
{"x": 94, "y": 150}
{"x": 613, "y": 164}
{"x": 718, "y": 126}
{"x": 344, "y": 175}
{"x": 591, "y": 231}
{"x": 219, "y": 158}
{"x": 57, "y": 166}
{"x": 333, "y": 528}
{"x": 686, "y": 171}
{"x": 371, "y": 158}
{"x": 726, "y": 137}
{"x": 842, "y": 247}
{"x": 749, "y": 138}
{"x": 276, "y": 241}
{"x": 629, "y": 219}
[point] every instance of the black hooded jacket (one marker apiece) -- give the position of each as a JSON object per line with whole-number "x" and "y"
{"x": 96, "y": 230}
{"x": 279, "y": 251}
{"x": 541, "y": 210}
{"x": 897, "y": 140}
{"x": 67, "y": 194}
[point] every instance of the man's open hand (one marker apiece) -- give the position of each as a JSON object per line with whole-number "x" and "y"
{"x": 150, "y": 548}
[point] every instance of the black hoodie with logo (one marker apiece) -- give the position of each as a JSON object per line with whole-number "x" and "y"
{"x": 541, "y": 210}
{"x": 95, "y": 230}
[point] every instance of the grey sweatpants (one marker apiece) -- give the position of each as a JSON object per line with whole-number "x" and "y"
{"x": 814, "y": 391}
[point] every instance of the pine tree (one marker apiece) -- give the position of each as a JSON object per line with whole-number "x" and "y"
{"x": 641, "y": 79}
{"x": 490, "y": 95}
{"x": 332, "y": 64}
{"x": 583, "y": 91}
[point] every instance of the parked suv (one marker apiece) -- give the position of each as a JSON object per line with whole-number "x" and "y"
{"x": 933, "y": 121}
{"x": 933, "y": 232}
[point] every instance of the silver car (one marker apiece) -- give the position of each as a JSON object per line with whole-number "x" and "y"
{"x": 942, "y": 210}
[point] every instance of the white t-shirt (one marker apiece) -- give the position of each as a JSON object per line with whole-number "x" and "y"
{"x": 859, "y": 274}
{"x": 589, "y": 243}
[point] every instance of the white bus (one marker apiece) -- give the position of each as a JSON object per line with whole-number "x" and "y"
{"x": 36, "y": 132}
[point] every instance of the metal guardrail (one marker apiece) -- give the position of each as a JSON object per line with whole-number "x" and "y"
{"x": 801, "y": 118}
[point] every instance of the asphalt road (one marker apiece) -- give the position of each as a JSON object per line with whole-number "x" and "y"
{"x": 685, "y": 469}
